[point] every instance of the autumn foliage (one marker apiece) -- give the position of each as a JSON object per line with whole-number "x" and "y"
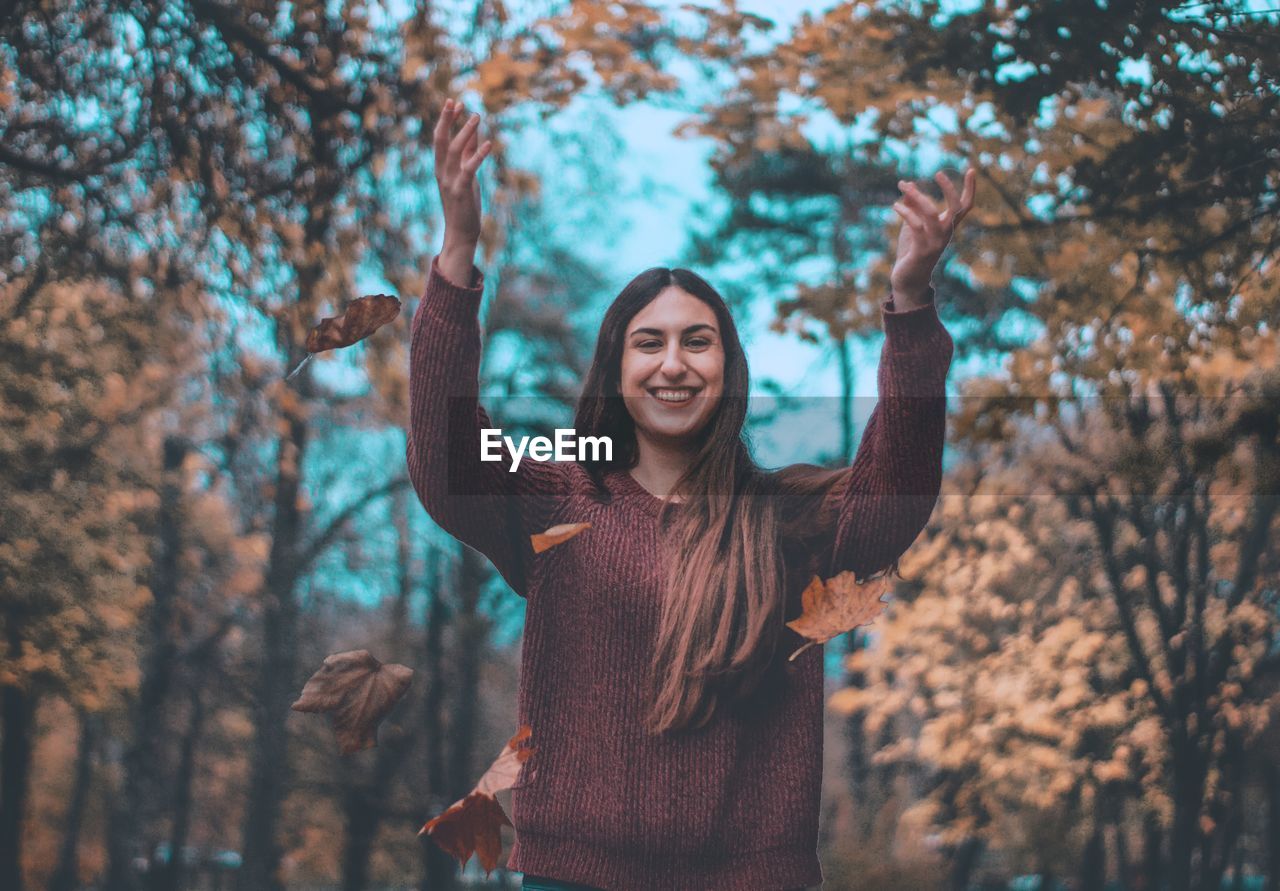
{"x": 1077, "y": 674}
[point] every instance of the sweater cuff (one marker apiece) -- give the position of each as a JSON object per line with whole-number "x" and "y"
{"x": 907, "y": 329}
{"x": 449, "y": 301}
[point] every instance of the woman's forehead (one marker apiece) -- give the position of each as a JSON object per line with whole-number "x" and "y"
{"x": 674, "y": 309}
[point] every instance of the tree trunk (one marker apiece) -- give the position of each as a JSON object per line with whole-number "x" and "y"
{"x": 471, "y": 635}
{"x": 963, "y": 860}
{"x": 1153, "y": 857}
{"x": 1237, "y": 871}
{"x": 1093, "y": 861}
{"x": 17, "y": 714}
{"x": 1188, "y": 795}
{"x": 1271, "y": 777}
{"x": 364, "y": 810}
{"x": 438, "y": 868}
{"x": 361, "y": 818}
{"x": 171, "y": 878}
{"x": 133, "y": 812}
{"x": 1123, "y": 867}
{"x": 1047, "y": 879}
{"x": 472, "y": 630}
{"x": 276, "y": 685}
{"x": 1219, "y": 844}
{"x": 66, "y": 877}
{"x": 364, "y": 806}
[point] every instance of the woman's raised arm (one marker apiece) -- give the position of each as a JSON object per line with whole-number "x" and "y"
{"x": 878, "y": 506}
{"x": 886, "y": 497}
{"x": 482, "y": 503}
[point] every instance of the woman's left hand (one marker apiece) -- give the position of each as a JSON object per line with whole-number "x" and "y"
{"x": 926, "y": 232}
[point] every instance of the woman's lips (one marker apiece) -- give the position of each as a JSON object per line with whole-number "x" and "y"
{"x": 654, "y": 391}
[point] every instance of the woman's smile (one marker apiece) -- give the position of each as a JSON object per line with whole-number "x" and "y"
{"x": 674, "y": 396}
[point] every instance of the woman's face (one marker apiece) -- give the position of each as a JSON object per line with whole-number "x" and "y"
{"x": 672, "y": 366}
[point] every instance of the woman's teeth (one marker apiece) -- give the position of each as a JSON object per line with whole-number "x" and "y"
{"x": 675, "y": 396}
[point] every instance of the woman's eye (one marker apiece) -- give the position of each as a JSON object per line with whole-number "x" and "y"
{"x": 699, "y": 341}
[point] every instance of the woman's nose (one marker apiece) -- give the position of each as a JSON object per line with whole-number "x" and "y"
{"x": 673, "y": 364}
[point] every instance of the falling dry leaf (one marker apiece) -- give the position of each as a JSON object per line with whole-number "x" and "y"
{"x": 555, "y": 535}
{"x": 474, "y": 824}
{"x": 839, "y": 604}
{"x": 357, "y": 691}
{"x": 362, "y": 317}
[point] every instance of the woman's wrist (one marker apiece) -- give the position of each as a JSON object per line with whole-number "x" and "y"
{"x": 910, "y": 295}
{"x": 456, "y": 259}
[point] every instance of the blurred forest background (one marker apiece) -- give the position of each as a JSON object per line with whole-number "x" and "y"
{"x": 1075, "y": 685}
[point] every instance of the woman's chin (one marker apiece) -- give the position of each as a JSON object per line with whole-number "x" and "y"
{"x": 674, "y": 434}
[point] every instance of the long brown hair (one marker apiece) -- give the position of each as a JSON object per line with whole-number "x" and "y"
{"x": 722, "y": 615}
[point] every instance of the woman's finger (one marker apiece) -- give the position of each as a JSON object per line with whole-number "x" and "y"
{"x": 467, "y": 147}
{"x": 441, "y": 136}
{"x": 917, "y": 200}
{"x": 949, "y": 191}
{"x": 970, "y": 185}
{"x": 472, "y": 164}
{"x": 912, "y": 220}
{"x": 456, "y": 146}
{"x": 965, "y": 201}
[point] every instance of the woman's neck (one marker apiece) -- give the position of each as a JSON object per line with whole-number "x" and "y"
{"x": 659, "y": 467}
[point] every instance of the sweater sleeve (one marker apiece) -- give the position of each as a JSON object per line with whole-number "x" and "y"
{"x": 877, "y": 506}
{"x": 481, "y": 503}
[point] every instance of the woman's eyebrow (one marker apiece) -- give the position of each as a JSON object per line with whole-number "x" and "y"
{"x": 691, "y": 328}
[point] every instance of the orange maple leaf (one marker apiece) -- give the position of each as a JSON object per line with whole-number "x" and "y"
{"x": 555, "y": 535}
{"x": 473, "y": 825}
{"x": 357, "y": 691}
{"x": 839, "y": 604}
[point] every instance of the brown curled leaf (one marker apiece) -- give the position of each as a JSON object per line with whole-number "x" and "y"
{"x": 473, "y": 825}
{"x": 357, "y": 692}
{"x": 358, "y": 320}
{"x": 555, "y": 535}
{"x": 837, "y": 605}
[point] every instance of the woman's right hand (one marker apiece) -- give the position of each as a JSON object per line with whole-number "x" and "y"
{"x": 456, "y": 160}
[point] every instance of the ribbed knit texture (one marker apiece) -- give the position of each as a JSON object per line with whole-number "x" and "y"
{"x": 733, "y": 806}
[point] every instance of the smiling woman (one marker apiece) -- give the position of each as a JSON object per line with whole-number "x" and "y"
{"x": 677, "y": 746}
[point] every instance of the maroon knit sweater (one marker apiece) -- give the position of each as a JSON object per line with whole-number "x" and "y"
{"x": 732, "y": 806}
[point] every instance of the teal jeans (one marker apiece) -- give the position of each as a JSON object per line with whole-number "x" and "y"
{"x": 540, "y": 883}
